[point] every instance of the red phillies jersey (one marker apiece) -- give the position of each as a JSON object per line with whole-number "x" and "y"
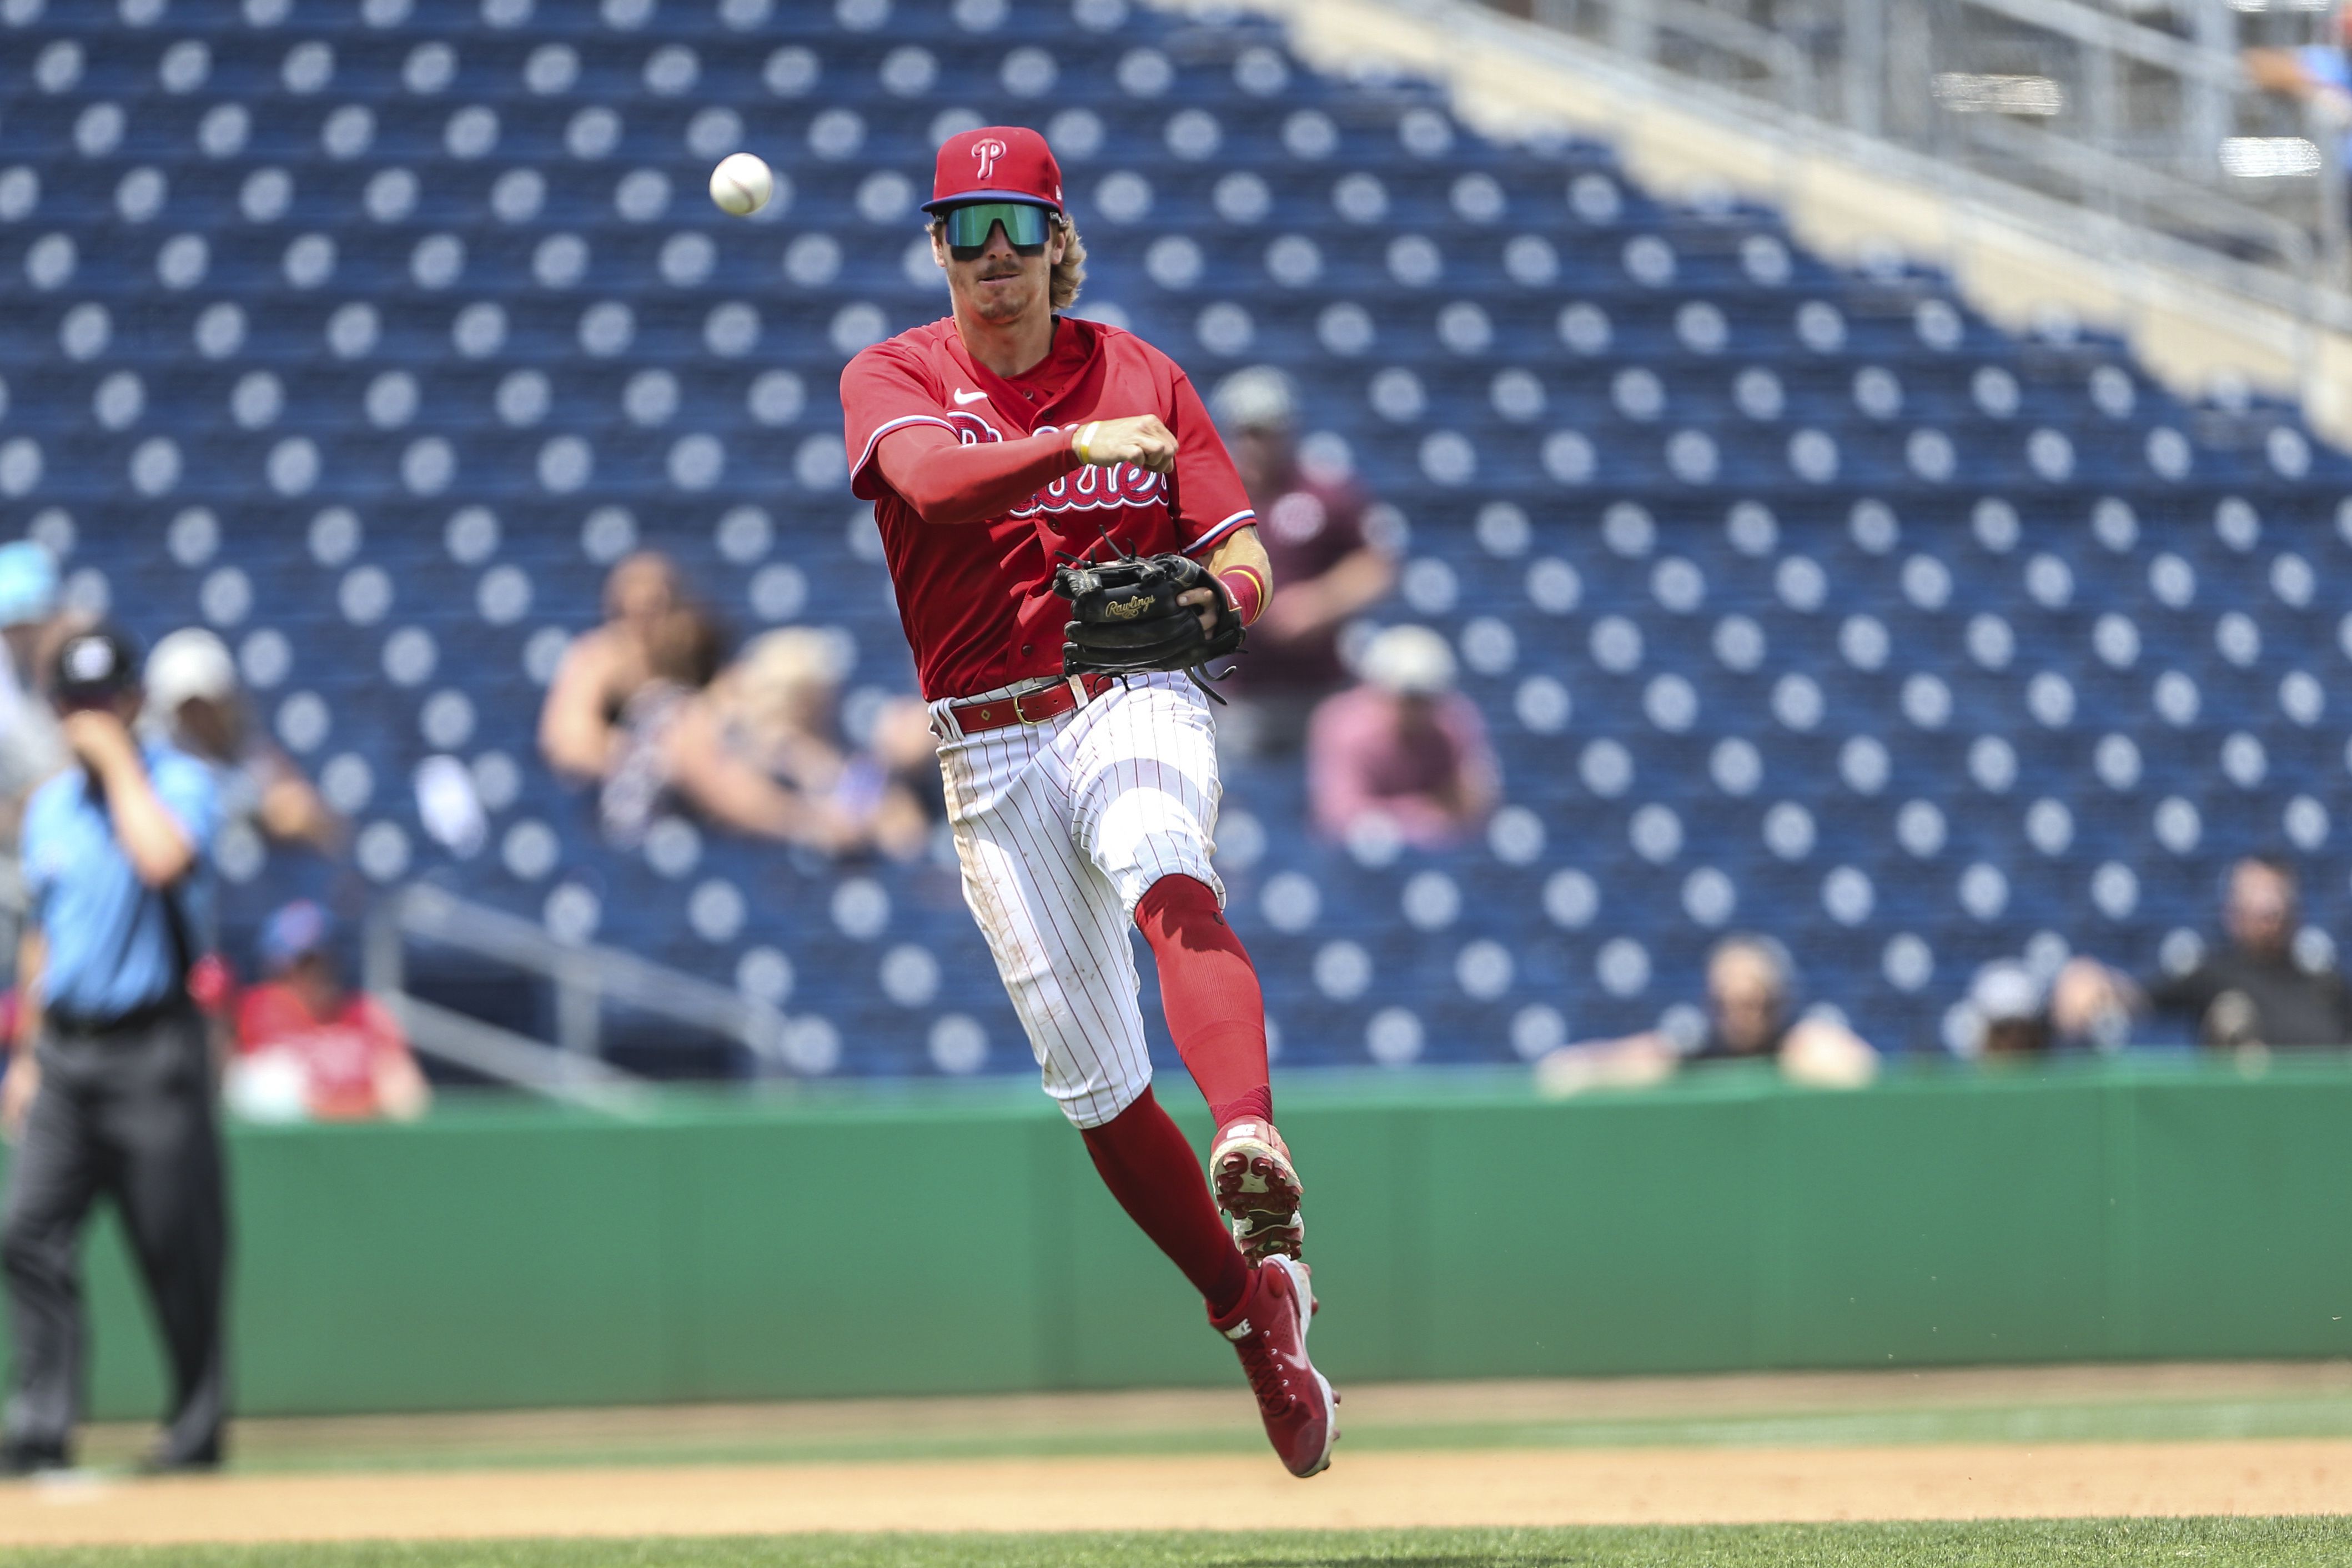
{"x": 977, "y": 599}
{"x": 338, "y": 1054}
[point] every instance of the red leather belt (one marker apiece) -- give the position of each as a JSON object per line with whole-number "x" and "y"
{"x": 1029, "y": 708}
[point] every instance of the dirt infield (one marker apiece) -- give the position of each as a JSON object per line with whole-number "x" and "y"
{"x": 1377, "y": 1491}
{"x": 1721, "y": 1408}
{"x": 1721, "y": 1450}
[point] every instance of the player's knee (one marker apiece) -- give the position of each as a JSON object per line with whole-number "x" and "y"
{"x": 1105, "y": 1103}
{"x": 1176, "y": 895}
{"x": 1169, "y": 864}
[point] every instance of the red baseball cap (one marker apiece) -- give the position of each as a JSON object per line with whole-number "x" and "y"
{"x": 996, "y": 164}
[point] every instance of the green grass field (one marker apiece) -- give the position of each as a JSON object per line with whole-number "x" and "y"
{"x": 2093, "y": 1544}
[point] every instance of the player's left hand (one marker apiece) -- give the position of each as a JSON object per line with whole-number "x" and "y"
{"x": 1206, "y": 603}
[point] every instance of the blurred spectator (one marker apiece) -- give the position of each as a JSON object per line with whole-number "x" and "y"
{"x": 2317, "y": 75}
{"x": 581, "y": 728}
{"x": 761, "y": 752}
{"x": 1326, "y": 570}
{"x": 195, "y": 700}
{"x": 1748, "y": 1006}
{"x": 307, "y": 1046}
{"x": 32, "y": 745}
{"x": 2249, "y": 993}
{"x": 2008, "y": 1012}
{"x": 1404, "y": 747}
{"x": 682, "y": 658}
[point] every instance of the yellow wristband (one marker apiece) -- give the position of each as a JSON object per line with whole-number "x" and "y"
{"x": 1086, "y": 440}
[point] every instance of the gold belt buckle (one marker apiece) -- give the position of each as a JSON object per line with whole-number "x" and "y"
{"x": 1077, "y": 691}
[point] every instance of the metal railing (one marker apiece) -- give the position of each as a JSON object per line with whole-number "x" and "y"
{"x": 586, "y": 979}
{"x": 2127, "y": 115}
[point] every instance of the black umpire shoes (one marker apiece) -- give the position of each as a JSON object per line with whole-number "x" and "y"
{"x": 32, "y": 1458}
{"x": 162, "y": 1462}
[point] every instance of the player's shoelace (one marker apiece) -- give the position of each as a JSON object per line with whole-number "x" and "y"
{"x": 1268, "y": 1379}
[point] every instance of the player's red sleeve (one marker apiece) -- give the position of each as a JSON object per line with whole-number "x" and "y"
{"x": 899, "y": 436}
{"x": 1209, "y": 495}
{"x": 947, "y": 482}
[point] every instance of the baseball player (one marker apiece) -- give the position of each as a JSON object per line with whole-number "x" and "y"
{"x": 1016, "y": 459}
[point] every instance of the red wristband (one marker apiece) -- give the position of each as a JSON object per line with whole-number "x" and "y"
{"x": 1246, "y": 589}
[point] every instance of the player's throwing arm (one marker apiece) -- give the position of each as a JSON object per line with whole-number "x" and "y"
{"x": 1140, "y": 439}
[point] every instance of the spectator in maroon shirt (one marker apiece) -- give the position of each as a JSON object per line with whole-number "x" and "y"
{"x": 1326, "y": 569}
{"x": 1403, "y": 751}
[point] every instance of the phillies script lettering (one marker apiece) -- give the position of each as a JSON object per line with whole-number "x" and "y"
{"x": 1104, "y": 487}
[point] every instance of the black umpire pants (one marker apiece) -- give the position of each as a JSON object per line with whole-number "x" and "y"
{"x": 125, "y": 1113}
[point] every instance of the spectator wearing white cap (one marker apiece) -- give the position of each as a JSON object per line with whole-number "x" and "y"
{"x": 32, "y": 745}
{"x": 1404, "y": 750}
{"x": 2007, "y": 1012}
{"x": 195, "y": 700}
{"x": 1331, "y": 569}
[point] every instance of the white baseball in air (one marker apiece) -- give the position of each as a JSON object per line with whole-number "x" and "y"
{"x": 741, "y": 184}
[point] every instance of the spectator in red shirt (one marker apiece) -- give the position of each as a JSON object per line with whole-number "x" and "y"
{"x": 1403, "y": 751}
{"x": 343, "y": 1048}
{"x": 1329, "y": 569}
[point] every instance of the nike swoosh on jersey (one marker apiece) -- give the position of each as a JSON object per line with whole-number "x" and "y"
{"x": 964, "y": 397}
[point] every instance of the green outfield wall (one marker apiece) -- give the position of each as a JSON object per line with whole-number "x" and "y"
{"x": 841, "y": 1244}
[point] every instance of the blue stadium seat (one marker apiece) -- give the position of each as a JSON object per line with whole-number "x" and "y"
{"x": 1795, "y": 597}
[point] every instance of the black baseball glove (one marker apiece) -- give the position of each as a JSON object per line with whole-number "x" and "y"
{"x": 1124, "y": 617}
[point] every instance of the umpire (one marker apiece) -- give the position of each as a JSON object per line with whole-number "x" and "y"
{"x": 110, "y": 1093}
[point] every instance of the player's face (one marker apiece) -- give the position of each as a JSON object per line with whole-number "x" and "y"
{"x": 1000, "y": 284}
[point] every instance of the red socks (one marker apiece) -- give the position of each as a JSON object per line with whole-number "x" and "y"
{"x": 1150, "y": 1169}
{"x": 1209, "y": 989}
{"x": 1217, "y": 1015}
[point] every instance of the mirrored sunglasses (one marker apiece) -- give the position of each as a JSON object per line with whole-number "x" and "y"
{"x": 969, "y": 228}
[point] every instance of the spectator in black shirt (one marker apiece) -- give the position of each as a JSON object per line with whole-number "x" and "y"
{"x": 2250, "y": 992}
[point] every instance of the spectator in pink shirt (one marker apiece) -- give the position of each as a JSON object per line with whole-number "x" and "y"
{"x": 1403, "y": 746}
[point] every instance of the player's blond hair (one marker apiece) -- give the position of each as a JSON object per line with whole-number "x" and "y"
{"x": 1069, "y": 273}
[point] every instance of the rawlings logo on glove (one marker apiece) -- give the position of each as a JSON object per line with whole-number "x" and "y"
{"x": 1125, "y": 620}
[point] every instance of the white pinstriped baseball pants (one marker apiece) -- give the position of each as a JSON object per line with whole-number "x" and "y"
{"x": 1061, "y": 828}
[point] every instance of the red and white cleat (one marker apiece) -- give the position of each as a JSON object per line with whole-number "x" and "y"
{"x": 1258, "y": 1189}
{"x": 1269, "y": 1332}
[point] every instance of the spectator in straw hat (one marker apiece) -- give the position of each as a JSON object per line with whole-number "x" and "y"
{"x": 194, "y": 699}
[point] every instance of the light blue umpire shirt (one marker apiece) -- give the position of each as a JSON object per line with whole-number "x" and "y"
{"x": 109, "y": 940}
